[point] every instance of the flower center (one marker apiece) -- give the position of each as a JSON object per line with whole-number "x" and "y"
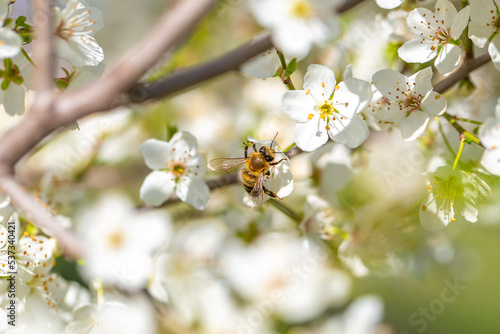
{"x": 301, "y": 9}
{"x": 115, "y": 240}
{"x": 64, "y": 31}
{"x": 326, "y": 110}
{"x": 178, "y": 170}
{"x": 412, "y": 102}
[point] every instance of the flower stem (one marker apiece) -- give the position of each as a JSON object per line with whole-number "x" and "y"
{"x": 462, "y": 142}
{"x": 25, "y": 54}
{"x": 286, "y": 79}
{"x": 444, "y": 137}
{"x": 461, "y": 130}
{"x": 289, "y": 147}
{"x": 468, "y": 120}
{"x": 286, "y": 210}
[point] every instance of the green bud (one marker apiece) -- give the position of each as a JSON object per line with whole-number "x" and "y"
{"x": 18, "y": 80}
{"x": 5, "y": 84}
{"x": 7, "y": 62}
{"x": 61, "y": 84}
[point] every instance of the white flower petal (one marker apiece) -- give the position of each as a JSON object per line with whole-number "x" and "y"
{"x": 422, "y": 80}
{"x": 184, "y": 146}
{"x": 157, "y": 188}
{"x": 320, "y": 80}
{"x": 479, "y": 33}
{"x": 294, "y": 39}
{"x": 193, "y": 191}
{"x": 448, "y": 59}
{"x": 419, "y": 20}
{"x": 281, "y": 182}
{"x": 267, "y": 12}
{"x": 491, "y": 161}
{"x": 13, "y": 99}
{"x": 489, "y": 133}
{"x": 469, "y": 212}
{"x": 389, "y": 4}
{"x": 156, "y": 153}
{"x": 460, "y": 23}
{"x": 390, "y": 83}
{"x": 353, "y": 135}
{"x": 414, "y": 125}
{"x": 416, "y": 51}
{"x": 494, "y": 51}
{"x": 352, "y": 96}
{"x": 311, "y": 135}
{"x": 10, "y": 43}
{"x": 262, "y": 66}
{"x": 431, "y": 218}
{"x": 298, "y": 105}
{"x": 434, "y": 103}
{"x": 446, "y": 11}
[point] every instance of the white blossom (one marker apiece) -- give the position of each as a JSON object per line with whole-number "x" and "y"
{"x": 411, "y": 102}
{"x": 324, "y": 108}
{"x": 295, "y": 24}
{"x": 489, "y": 133}
{"x": 176, "y": 167}
{"x": 484, "y": 23}
{"x": 76, "y": 26}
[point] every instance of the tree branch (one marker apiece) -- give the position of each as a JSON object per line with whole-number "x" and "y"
{"x": 468, "y": 66}
{"x": 182, "y": 79}
{"x": 34, "y": 211}
{"x": 44, "y": 46}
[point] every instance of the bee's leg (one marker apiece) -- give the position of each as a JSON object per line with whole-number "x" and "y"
{"x": 246, "y": 150}
{"x": 268, "y": 173}
{"x": 254, "y": 147}
{"x": 270, "y": 193}
{"x": 275, "y": 163}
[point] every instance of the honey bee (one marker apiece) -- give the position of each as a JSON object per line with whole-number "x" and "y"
{"x": 258, "y": 165}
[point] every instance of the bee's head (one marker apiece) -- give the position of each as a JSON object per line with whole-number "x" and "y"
{"x": 267, "y": 153}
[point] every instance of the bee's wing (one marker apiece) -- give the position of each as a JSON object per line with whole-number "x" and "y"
{"x": 256, "y": 196}
{"x": 225, "y": 164}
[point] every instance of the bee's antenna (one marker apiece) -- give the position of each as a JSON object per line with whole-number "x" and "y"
{"x": 273, "y": 140}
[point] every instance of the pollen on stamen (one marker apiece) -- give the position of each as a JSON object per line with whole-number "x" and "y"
{"x": 424, "y": 208}
{"x": 310, "y": 116}
{"x": 323, "y": 84}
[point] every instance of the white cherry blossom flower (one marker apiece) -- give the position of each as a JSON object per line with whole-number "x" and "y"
{"x": 296, "y": 24}
{"x": 176, "y": 167}
{"x": 489, "y": 133}
{"x": 485, "y": 23}
{"x": 126, "y": 316}
{"x": 411, "y": 100}
{"x": 121, "y": 241}
{"x": 10, "y": 43}
{"x": 451, "y": 191}
{"x": 437, "y": 36}
{"x": 76, "y": 26}
{"x": 324, "y": 108}
{"x": 389, "y": 4}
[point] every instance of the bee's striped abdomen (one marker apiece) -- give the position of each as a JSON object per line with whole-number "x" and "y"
{"x": 248, "y": 179}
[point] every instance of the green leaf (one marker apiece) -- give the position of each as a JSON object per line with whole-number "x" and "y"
{"x": 171, "y": 131}
{"x": 476, "y": 130}
{"x": 20, "y": 20}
